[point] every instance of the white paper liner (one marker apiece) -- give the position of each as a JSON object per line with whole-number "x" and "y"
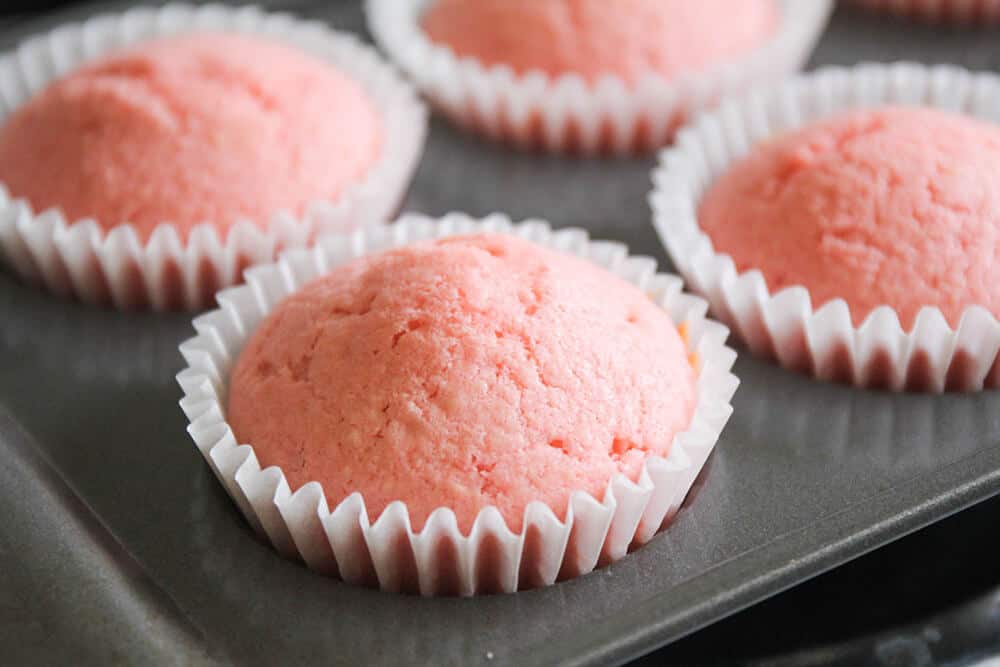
{"x": 439, "y": 559}
{"x": 79, "y": 258}
{"x": 932, "y": 356}
{"x": 934, "y": 11}
{"x": 566, "y": 113}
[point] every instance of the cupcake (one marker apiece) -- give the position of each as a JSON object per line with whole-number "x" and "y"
{"x": 883, "y": 214}
{"x": 161, "y": 166}
{"x": 485, "y": 413}
{"x": 591, "y": 38}
{"x": 935, "y": 11}
{"x": 588, "y": 75}
{"x": 202, "y": 127}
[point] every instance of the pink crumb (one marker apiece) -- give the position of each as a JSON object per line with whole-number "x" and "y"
{"x": 462, "y": 373}
{"x": 624, "y": 38}
{"x": 190, "y": 129}
{"x": 896, "y": 206}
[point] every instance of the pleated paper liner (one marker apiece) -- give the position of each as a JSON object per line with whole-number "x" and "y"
{"x": 385, "y": 551}
{"x": 785, "y": 326}
{"x": 78, "y": 258}
{"x": 567, "y": 114}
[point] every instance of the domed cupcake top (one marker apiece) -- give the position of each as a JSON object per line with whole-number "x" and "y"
{"x": 625, "y": 38}
{"x": 462, "y": 373}
{"x": 893, "y": 206}
{"x": 190, "y": 129}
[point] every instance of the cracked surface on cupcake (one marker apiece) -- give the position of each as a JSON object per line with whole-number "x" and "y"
{"x": 896, "y": 206}
{"x": 462, "y": 373}
{"x": 196, "y": 128}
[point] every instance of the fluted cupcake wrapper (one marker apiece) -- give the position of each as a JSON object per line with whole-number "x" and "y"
{"x": 440, "y": 560}
{"x": 82, "y": 259}
{"x": 938, "y": 11}
{"x": 784, "y": 325}
{"x": 566, "y": 113}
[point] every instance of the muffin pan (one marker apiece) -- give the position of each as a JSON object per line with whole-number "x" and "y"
{"x": 119, "y": 545}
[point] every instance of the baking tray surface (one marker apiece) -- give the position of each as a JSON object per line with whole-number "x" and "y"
{"x": 120, "y": 545}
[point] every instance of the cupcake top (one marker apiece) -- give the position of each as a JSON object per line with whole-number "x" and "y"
{"x": 462, "y": 373}
{"x": 191, "y": 129}
{"x": 624, "y": 38}
{"x": 894, "y": 206}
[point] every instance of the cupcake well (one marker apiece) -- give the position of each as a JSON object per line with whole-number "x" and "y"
{"x": 440, "y": 560}
{"x": 938, "y": 11}
{"x": 78, "y": 258}
{"x": 566, "y": 113}
{"x": 784, "y": 325}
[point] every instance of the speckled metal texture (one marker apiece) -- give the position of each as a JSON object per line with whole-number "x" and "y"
{"x": 118, "y": 545}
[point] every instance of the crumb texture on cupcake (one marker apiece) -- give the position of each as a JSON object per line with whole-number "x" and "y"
{"x": 893, "y": 206}
{"x": 461, "y": 373}
{"x": 624, "y": 38}
{"x": 191, "y": 129}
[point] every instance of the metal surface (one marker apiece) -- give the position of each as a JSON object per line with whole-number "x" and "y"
{"x": 155, "y": 566}
{"x": 930, "y": 598}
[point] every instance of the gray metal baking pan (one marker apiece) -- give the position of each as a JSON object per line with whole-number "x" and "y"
{"x": 118, "y": 546}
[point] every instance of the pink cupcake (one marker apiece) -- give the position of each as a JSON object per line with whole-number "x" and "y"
{"x": 867, "y": 195}
{"x": 464, "y": 403}
{"x": 588, "y": 75}
{"x": 892, "y": 205}
{"x": 200, "y": 142}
